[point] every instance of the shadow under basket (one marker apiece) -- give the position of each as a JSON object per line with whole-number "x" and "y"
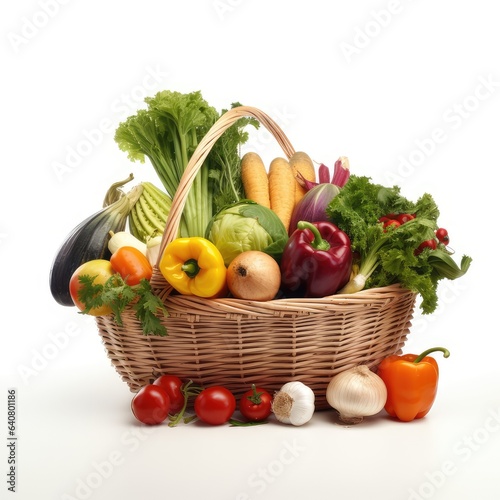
{"x": 237, "y": 343}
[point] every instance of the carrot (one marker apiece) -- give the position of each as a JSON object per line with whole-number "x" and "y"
{"x": 282, "y": 190}
{"x": 254, "y": 178}
{"x": 302, "y": 164}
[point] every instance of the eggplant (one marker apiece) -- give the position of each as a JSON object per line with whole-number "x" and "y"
{"x": 89, "y": 240}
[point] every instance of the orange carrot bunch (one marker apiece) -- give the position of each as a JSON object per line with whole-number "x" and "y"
{"x": 277, "y": 188}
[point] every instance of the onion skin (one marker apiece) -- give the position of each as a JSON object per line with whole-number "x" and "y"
{"x": 312, "y": 207}
{"x": 253, "y": 275}
{"x": 356, "y": 393}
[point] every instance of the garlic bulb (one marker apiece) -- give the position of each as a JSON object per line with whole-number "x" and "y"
{"x": 294, "y": 403}
{"x": 356, "y": 393}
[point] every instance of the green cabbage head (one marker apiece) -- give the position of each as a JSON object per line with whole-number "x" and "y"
{"x": 246, "y": 225}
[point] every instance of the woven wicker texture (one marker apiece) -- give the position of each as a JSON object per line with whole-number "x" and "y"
{"x": 236, "y": 343}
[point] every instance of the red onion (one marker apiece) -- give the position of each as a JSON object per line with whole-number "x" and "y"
{"x": 312, "y": 207}
{"x": 340, "y": 176}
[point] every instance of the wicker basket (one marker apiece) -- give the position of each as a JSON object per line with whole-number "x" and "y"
{"x": 235, "y": 342}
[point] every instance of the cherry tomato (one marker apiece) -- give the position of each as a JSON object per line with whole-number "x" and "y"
{"x": 172, "y": 386}
{"x": 442, "y": 236}
{"x": 151, "y": 405}
{"x": 402, "y": 218}
{"x": 255, "y": 404}
{"x": 215, "y": 405}
{"x": 101, "y": 271}
{"x": 426, "y": 244}
{"x": 392, "y": 222}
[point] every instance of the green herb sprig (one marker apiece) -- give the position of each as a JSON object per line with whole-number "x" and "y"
{"x": 118, "y": 295}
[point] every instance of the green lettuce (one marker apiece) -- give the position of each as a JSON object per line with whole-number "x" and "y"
{"x": 387, "y": 256}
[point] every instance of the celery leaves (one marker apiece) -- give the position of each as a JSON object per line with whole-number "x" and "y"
{"x": 167, "y": 133}
{"x": 225, "y": 163}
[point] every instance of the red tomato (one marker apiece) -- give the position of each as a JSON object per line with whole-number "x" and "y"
{"x": 102, "y": 270}
{"x": 215, "y": 405}
{"x": 255, "y": 404}
{"x": 402, "y": 218}
{"x": 442, "y": 236}
{"x": 172, "y": 386}
{"x": 426, "y": 244}
{"x": 391, "y": 222}
{"x": 151, "y": 405}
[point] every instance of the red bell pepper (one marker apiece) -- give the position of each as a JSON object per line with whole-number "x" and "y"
{"x": 411, "y": 383}
{"x": 316, "y": 260}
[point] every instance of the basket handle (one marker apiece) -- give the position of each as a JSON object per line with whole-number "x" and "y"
{"x": 201, "y": 152}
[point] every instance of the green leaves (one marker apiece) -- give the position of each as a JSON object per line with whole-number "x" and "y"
{"x": 387, "y": 256}
{"x": 444, "y": 265}
{"x": 168, "y": 132}
{"x": 225, "y": 164}
{"x": 118, "y": 295}
{"x": 148, "y": 308}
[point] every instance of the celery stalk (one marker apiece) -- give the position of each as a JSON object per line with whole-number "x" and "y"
{"x": 167, "y": 133}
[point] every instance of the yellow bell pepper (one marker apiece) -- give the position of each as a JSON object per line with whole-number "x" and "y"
{"x": 194, "y": 266}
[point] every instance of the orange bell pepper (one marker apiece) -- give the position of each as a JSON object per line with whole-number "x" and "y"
{"x": 132, "y": 265}
{"x": 411, "y": 383}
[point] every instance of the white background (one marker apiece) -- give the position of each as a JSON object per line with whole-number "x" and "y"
{"x": 408, "y": 90}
